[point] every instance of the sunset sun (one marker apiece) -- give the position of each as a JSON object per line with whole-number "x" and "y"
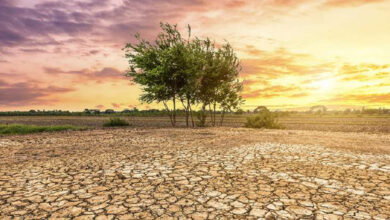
{"x": 325, "y": 85}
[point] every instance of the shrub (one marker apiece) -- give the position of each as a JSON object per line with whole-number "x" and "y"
{"x": 115, "y": 122}
{"x": 264, "y": 119}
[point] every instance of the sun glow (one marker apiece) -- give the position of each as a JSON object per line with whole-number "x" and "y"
{"x": 324, "y": 85}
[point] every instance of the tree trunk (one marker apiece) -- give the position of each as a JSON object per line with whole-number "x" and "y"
{"x": 169, "y": 113}
{"x": 215, "y": 114}
{"x": 188, "y": 112}
{"x": 222, "y": 117}
{"x": 211, "y": 115}
{"x": 174, "y": 111}
{"x": 186, "y": 108}
{"x": 192, "y": 118}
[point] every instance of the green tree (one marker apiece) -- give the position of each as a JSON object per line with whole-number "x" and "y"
{"x": 219, "y": 87}
{"x": 157, "y": 67}
{"x": 192, "y": 71}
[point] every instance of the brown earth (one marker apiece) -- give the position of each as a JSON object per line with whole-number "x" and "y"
{"x": 213, "y": 173}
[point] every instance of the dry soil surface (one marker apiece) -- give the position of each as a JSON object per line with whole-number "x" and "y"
{"x": 225, "y": 173}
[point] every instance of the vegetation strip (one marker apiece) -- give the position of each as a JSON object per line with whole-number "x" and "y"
{"x": 26, "y": 129}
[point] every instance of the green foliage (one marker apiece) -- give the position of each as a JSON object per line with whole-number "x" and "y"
{"x": 264, "y": 119}
{"x": 116, "y": 122}
{"x": 194, "y": 72}
{"x": 13, "y": 129}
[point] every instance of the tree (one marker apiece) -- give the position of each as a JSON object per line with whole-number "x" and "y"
{"x": 194, "y": 72}
{"x": 157, "y": 67}
{"x": 218, "y": 86}
{"x": 260, "y": 108}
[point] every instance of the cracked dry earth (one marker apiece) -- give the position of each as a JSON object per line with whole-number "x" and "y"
{"x": 222, "y": 173}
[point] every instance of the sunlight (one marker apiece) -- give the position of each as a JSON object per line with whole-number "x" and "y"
{"x": 324, "y": 85}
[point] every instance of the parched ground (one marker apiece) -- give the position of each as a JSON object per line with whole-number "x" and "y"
{"x": 222, "y": 173}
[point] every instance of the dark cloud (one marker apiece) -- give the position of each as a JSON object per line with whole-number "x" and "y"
{"x": 7, "y": 2}
{"x": 9, "y": 37}
{"x": 104, "y": 73}
{"x": 25, "y": 93}
{"x": 37, "y": 25}
{"x": 45, "y": 21}
{"x": 114, "y": 23}
{"x": 108, "y": 72}
{"x": 33, "y": 50}
{"x": 57, "y": 70}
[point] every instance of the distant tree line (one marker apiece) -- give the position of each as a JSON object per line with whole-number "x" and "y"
{"x": 182, "y": 112}
{"x": 89, "y": 112}
{"x": 194, "y": 72}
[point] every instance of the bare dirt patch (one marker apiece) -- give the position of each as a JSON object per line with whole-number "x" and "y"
{"x": 203, "y": 173}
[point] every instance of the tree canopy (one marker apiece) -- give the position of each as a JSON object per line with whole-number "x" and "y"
{"x": 191, "y": 71}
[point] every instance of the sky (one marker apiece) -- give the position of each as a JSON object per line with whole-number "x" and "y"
{"x": 294, "y": 53}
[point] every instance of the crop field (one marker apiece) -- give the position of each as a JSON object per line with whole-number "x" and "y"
{"x": 316, "y": 168}
{"x": 351, "y": 123}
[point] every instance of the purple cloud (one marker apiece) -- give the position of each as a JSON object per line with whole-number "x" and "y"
{"x": 104, "y": 73}
{"x": 20, "y": 94}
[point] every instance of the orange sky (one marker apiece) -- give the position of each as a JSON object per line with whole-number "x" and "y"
{"x": 294, "y": 53}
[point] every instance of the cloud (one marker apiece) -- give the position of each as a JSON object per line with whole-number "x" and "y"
{"x": 3, "y": 83}
{"x": 269, "y": 92}
{"x": 364, "y": 72}
{"x": 96, "y": 21}
{"x": 349, "y": 3}
{"x": 299, "y": 95}
{"x": 285, "y": 3}
{"x": 251, "y": 50}
{"x": 281, "y": 62}
{"x": 380, "y": 98}
{"x": 7, "y": 2}
{"x": 33, "y": 50}
{"x": 116, "y": 105}
{"x": 100, "y": 106}
{"x": 104, "y": 73}
{"x": 257, "y": 81}
{"x": 25, "y": 93}
{"x": 360, "y": 68}
{"x": 108, "y": 72}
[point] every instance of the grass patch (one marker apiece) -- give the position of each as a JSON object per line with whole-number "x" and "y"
{"x": 116, "y": 122}
{"x": 26, "y": 129}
